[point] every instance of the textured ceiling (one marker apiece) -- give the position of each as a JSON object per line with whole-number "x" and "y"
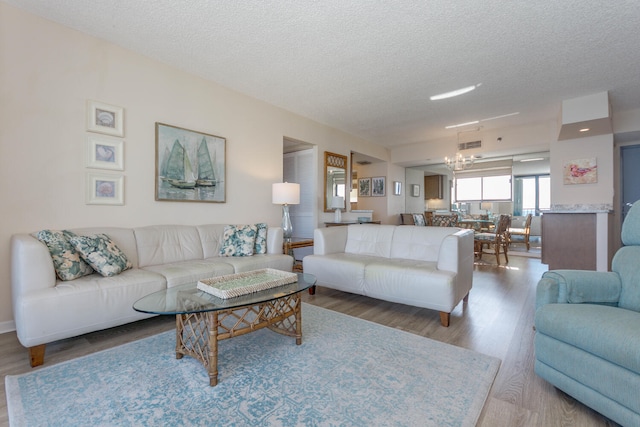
{"x": 369, "y": 67}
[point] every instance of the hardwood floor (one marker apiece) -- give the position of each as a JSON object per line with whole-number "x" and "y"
{"x": 497, "y": 320}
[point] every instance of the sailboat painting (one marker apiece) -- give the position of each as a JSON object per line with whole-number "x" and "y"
{"x": 190, "y": 165}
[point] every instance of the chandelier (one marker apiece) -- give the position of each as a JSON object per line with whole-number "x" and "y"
{"x": 459, "y": 162}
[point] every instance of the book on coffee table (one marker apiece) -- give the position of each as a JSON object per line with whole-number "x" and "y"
{"x": 235, "y": 285}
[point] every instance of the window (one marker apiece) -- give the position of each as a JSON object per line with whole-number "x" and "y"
{"x": 483, "y": 188}
{"x": 532, "y": 194}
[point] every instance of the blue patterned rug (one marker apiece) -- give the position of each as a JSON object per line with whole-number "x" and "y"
{"x": 347, "y": 372}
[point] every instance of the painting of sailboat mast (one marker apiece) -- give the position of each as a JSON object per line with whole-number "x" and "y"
{"x": 190, "y": 166}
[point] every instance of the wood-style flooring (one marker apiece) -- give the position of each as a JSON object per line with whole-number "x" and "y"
{"x": 497, "y": 321}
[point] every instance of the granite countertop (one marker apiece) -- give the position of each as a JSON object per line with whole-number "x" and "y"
{"x": 581, "y": 208}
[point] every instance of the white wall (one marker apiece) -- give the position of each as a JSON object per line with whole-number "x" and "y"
{"x": 47, "y": 74}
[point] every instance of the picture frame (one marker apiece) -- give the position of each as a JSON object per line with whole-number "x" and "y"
{"x": 105, "y": 153}
{"x": 364, "y": 187}
{"x": 104, "y": 118}
{"x": 190, "y": 165}
{"x": 397, "y": 188}
{"x": 104, "y": 189}
{"x": 378, "y": 186}
{"x": 415, "y": 190}
{"x": 580, "y": 171}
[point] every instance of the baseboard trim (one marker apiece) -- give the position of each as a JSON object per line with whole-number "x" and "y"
{"x": 9, "y": 326}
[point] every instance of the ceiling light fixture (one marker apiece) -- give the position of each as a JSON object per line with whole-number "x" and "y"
{"x": 475, "y": 122}
{"x": 454, "y": 93}
{"x": 500, "y": 117}
{"x": 585, "y": 130}
{"x": 532, "y": 160}
{"x": 459, "y": 162}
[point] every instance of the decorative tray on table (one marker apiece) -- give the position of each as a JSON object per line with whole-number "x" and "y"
{"x": 235, "y": 285}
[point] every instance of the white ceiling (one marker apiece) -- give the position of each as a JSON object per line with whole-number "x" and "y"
{"x": 369, "y": 67}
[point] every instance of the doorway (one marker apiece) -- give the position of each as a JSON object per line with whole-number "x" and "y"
{"x": 629, "y": 177}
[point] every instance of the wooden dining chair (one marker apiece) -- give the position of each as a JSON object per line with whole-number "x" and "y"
{"x": 524, "y": 232}
{"x": 497, "y": 241}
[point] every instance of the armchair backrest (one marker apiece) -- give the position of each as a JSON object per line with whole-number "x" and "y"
{"x": 626, "y": 261}
{"x": 527, "y": 223}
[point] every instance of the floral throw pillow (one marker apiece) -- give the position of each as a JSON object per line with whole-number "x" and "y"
{"x": 102, "y": 254}
{"x": 418, "y": 219}
{"x": 260, "y": 246}
{"x": 66, "y": 261}
{"x": 238, "y": 240}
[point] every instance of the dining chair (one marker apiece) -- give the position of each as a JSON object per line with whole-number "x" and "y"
{"x": 498, "y": 241}
{"x": 524, "y": 232}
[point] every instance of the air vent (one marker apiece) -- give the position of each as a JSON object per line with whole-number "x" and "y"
{"x": 469, "y": 145}
{"x": 364, "y": 162}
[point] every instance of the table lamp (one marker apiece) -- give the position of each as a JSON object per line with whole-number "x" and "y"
{"x": 337, "y": 203}
{"x": 285, "y": 194}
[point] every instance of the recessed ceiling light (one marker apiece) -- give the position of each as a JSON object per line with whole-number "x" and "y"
{"x": 475, "y": 122}
{"x": 453, "y": 93}
{"x": 585, "y": 130}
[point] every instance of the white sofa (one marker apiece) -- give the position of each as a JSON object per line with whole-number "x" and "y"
{"x": 428, "y": 267}
{"x": 47, "y": 309}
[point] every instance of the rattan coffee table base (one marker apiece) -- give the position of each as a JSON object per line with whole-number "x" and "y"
{"x": 197, "y": 334}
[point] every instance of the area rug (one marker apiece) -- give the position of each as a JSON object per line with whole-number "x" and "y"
{"x": 347, "y": 372}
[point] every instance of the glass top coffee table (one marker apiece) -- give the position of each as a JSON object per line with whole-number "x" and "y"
{"x": 203, "y": 319}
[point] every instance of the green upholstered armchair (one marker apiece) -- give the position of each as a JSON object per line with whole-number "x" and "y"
{"x": 587, "y": 323}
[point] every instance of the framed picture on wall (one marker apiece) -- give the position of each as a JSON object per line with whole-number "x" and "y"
{"x": 415, "y": 190}
{"x": 105, "y": 118}
{"x": 105, "y": 152}
{"x": 364, "y": 187}
{"x": 190, "y": 165}
{"x": 104, "y": 189}
{"x": 378, "y": 186}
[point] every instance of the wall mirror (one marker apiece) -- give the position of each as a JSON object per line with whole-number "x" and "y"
{"x": 335, "y": 178}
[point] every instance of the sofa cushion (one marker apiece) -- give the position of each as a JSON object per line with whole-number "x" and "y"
{"x": 67, "y": 262}
{"x": 340, "y": 271}
{"x": 184, "y": 272}
{"x": 101, "y": 253}
{"x": 164, "y": 244}
{"x": 412, "y": 282}
{"x": 419, "y": 243}
{"x": 238, "y": 240}
{"x": 258, "y": 261}
{"x": 369, "y": 239}
{"x": 260, "y": 246}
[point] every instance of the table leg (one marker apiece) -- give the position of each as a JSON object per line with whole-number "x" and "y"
{"x": 212, "y": 320}
{"x": 298, "y": 319}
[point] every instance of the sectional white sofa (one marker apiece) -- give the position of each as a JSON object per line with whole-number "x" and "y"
{"x": 47, "y": 309}
{"x": 430, "y": 267}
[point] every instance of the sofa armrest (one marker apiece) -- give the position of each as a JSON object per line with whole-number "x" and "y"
{"x": 31, "y": 266}
{"x": 329, "y": 240}
{"x": 577, "y": 287}
{"x": 275, "y": 240}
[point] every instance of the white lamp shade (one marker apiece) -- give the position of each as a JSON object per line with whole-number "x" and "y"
{"x": 337, "y": 202}
{"x": 285, "y": 193}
